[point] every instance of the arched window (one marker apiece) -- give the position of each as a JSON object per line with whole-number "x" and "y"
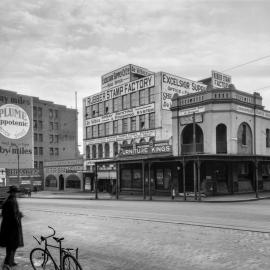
{"x": 73, "y": 181}
{"x": 244, "y": 139}
{"x": 94, "y": 151}
{"x": 142, "y": 141}
{"x": 87, "y": 151}
{"x": 51, "y": 181}
{"x": 221, "y": 139}
{"x": 267, "y": 137}
{"x": 100, "y": 151}
{"x": 115, "y": 149}
{"x": 107, "y": 150}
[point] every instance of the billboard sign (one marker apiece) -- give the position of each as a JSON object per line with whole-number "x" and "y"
{"x": 171, "y": 84}
{"x": 16, "y": 136}
{"x": 220, "y": 80}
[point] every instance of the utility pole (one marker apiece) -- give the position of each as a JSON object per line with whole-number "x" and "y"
{"x": 194, "y": 153}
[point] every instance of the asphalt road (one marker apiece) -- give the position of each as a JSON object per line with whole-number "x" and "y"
{"x": 153, "y": 235}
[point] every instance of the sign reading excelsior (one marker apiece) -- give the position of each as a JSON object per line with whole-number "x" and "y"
{"x": 172, "y": 84}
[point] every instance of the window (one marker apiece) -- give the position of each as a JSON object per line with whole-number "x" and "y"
{"x": 89, "y": 132}
{"x": 107, "y": 129}
{"x": 39, "y": 112}
{"x": 95, "y": 131}
{"x": 151, "y": 95}
{"x": 126, "y": 101}
{"x": 51, "y": 138}
{"x": 51, "y": 125}
{"x": 51, "y": 113}
{"x": 125, "y": 125}
{"x": 41, "y": 164}
{"x": 142, "y": 97}
{"x": 101, "y": 108}
{"x": 267, "y": 137}
{"x": 101, "y": 130}
{"x": 56, "y": 151}
{"x": 35, "y": 164}
{"x": 134, "y": 100}
{"x": 35, "y": 111}
{"x": 106, "y": 107}
{"x": 41, "y": 137}
{"x": 40, "y": 151}
{"x": 244, "y": 135}
{"x": 35, "y": 124}
{"x": 56, "y": 126}
{"x": 40, "y": 125}
{"x": 107, "y": 150}
{"x": 142, "y": 122}
{"x": 115, "y": 127}
{"x": 35, "y": 137}
{"x": 51, "y": 151}
{"x": 55, "y": 114}
{"x": 94, "y": 151}
{"x": 100, "y": 151}
{"x": 88, "y": 112}
{"x": 87, "y": 151}
{"x": 115, "y": 149}
{"x": 95, "y": 110}
{"x": 133, "y": 123}
{"x": 151, "y": 120}
{"x": 56, "y": 138}
{"x": 35, "y": 151}
{"x": 117, "y": 104}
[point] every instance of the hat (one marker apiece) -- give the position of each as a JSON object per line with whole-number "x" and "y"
{"x": 13, "y": 189}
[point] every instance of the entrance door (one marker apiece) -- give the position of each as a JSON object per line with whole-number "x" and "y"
{"x": 61, "y": 182}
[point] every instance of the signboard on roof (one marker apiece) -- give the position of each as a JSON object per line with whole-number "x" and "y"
{"x": 220, "y": 80}
{"x": 121, "y": 75}
{"x": 121, "y": 90}
{"x": 171, "y": 84}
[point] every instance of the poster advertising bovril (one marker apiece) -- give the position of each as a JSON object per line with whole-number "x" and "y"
{"x": 16, "y": 136}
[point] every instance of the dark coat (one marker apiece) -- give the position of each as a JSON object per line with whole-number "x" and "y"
{"x": 11, "y": 227}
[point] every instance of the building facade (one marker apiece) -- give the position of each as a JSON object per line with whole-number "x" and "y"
{"x": 128, "y": 130}
{"x": 33, "y": 131}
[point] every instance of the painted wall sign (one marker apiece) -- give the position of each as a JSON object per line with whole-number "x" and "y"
{"x": 157, "y": 148}
{"x": 250, "y": 111}
{"x": 16, "y": 131}
{"x": 122, "y": 137}
{"x": 191, "y": 111}
{"x": 188, "y": 119}
{"x": 67, "y": 162}
{"x": 121, "y": 75}
{"x": 14, "y": 121}
{"x": 172, "y": 84}
{"x": 120, "y": 115}
{"x": 220, "y": 80}
{"x": 121, "y": 90}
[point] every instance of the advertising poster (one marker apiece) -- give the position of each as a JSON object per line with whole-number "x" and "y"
{"x": 172, "y": 84}
{"x": 16, "y": 137}
{"x": 220, "y": 80}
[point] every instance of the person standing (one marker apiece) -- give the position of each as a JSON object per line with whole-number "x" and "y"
{"x": 11, "y": 236}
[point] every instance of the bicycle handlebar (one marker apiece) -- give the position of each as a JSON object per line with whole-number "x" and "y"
{"x": 43, "y": 238}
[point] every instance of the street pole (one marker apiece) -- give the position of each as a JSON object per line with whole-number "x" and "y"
{"x": 194, "y": 153}
{"x": 96, "y": 182}
{"x": 18, "y": 160}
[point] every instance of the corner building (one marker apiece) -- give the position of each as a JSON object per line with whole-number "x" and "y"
{"x": 128, "y": 131}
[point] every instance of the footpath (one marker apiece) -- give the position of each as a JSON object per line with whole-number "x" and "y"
{"x": 189, "y": 197}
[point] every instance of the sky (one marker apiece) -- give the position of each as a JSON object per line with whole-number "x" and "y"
{"x": 54, "y": 48}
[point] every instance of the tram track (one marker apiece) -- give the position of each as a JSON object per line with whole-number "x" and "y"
{"x": 156, "y": 220}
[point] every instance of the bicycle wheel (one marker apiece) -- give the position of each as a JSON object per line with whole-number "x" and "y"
{"x": 41, "y": 259}
{"x": 71, "y": 263}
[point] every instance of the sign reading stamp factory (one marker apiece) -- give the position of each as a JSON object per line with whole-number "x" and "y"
{"x": 14, "y": 121}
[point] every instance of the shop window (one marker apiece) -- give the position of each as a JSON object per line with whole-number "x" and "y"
{"x": 107, "y": 150}
{"x": 87, "y": 151}
{"x": 51, "y": 181}
{"x": 100, "y": 151}
{"x": 137, "y": 178}
{"x": 151, "y": 120}
{"x": 133, "y": 123}
{"x": 73, "y": 181}
{"x": 243, "y": 168}
{"x": 163, "y": 178}
{"x": 267, "y": 137}
{"x": 94, "y": 151}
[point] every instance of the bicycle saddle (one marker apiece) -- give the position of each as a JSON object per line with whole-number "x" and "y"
{"x": 58, "y": 239}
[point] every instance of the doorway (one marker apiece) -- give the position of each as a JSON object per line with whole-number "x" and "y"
{"x": 61, "y": 182}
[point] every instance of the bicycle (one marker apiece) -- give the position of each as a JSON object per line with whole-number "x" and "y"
{"x": 41, "y": 258}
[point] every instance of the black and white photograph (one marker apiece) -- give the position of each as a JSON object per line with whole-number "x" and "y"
{"x": 134, "y": 135}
